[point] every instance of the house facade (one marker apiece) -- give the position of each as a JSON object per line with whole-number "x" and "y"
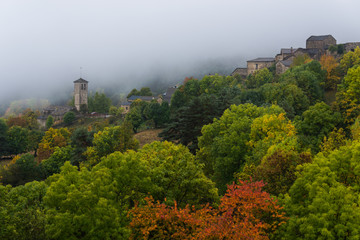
{"x": 259, "y": 63}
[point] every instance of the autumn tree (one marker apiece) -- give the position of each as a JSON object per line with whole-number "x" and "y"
{"x": 278, "y": 169}
{"x": 245, "y": 212}
{"x": 52, "y": 138}
{"x": 330, "y": 65}
{"x": 93, "y": 203}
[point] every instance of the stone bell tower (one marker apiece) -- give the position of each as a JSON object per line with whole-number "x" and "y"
{"x": 80, "y": 93}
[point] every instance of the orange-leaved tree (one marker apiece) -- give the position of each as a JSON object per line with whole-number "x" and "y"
{"x": 245, "y": 212}
{"x": 52, "y": 138}
{"x": 330, "y": 65}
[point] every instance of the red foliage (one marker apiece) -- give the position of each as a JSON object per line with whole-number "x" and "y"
{"x": 245, "y": 212}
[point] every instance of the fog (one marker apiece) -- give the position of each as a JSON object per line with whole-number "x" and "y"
{"x": 125, "y": 44}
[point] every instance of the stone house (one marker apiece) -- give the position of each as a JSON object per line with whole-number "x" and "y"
{"x": 320, "y": 42}
{"x": 125, "y": 106}
{"x": 283, "y": 65}
{"x": 240, "y": 71}
{"x": 168, "y": 94}
{"x": 285, "y": 53}
{"x": 259, "y": 63}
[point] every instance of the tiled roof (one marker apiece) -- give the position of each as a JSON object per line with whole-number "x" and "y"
{"x": 262, "y": 60}
{"x": 319, "y": 38}
{"x": 80, "y": 80}
{"x": 287, "y": 63}
{"x": 288, "y": 50}
{"x": 169, "y": 92}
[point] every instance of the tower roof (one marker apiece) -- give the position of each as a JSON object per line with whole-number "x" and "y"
{"x": 80, "y": 80}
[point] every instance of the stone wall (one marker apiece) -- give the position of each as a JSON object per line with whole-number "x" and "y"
{"x": 240, "y": 71}
{"x": 351, "y": 46}
{"x": 80, "y": 95}
{"x": 321, "y": 44}
{"x": 254, "y": 66}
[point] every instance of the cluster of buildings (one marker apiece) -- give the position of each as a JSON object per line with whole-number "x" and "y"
{"x": 316, "y": 46}
{"x": 166, "y": 97}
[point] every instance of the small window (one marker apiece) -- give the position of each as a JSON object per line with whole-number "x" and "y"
{"x": 256, "y": 66}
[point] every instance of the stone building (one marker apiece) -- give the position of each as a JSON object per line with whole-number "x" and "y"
{"x": 125, "y": 106}
{"x": 320, "y": 42}
{"x": 240, "y": 71}
{"x": 168, "y": 94}
{"x": 313, "y": 53}
{"x": 259, "y": 63}
{"x": 285, "y": 53}
{"x": 80, "y": 93}
{"x": 283, "y": 65}
{"x": 350, "y": 47}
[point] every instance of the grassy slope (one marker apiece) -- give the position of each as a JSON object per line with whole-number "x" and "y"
{"x": 148, "y": 136}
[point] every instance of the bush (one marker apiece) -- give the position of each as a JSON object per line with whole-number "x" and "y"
{"x": 69, "y": 118}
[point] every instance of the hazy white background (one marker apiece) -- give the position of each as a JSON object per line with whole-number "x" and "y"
{"x": 43, "y": 43}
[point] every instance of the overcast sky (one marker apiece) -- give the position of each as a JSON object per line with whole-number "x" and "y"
{"x": 43, "y": 43}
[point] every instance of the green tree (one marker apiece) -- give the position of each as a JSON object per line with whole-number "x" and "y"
{"x": 310, "y": 77}
{"x": 18, "y": 140}
{"x": 99, "y": 103}
{"x": 22, "y": 212}
{"x": 323, "y": 203}
{"x": 347, "y": 97}
{"x": 81, "y": 138}
{"x": 259, "y": 78}
{"x": 3, "y": 141}
{"x": 111, "y": 139}
{"x": 350, "y": 60}
{"x": 69, "y": 118}
{"x": 300, "y": 60}
{"x": 187, "y": 122}
{"x": 224, "y": 143}
{"x": 93, "y": 204}
{"x": 56, "y": 160}
{"x": 317, "y": 122}
{"x": 49, "y": 122}
{"x": 134, "y": 117}
{"x": 84, "y": 205}
{"x": 24, "y": 169}
{"x": 145, "y": 91}
{"x": 288, "y": 96}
